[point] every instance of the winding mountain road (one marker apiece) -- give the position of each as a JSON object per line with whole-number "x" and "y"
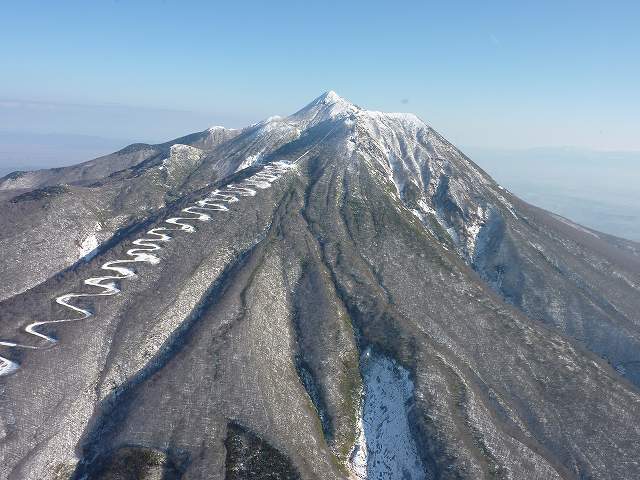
{"x": 216, "y": 201}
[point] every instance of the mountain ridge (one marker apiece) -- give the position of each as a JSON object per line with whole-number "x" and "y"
{"x": 343, "y": 290}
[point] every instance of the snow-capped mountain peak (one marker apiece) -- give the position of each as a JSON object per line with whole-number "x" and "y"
{"x": 328, "y": 106}
{"x": 331, "y": 98}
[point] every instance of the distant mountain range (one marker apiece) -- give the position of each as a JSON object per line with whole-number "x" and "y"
{"x": 336, "y": 294}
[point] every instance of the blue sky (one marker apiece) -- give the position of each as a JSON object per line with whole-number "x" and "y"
{"x": 490, "y": 74}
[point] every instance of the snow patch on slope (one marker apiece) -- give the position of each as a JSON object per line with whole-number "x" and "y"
{"x": 249, "y": 161}
{"x": 385, "y": 448}
{"x": 89, "y": 246}
{"x": 182, "y": 158}
{"x": 218, "y": 127}
{"x": 472, "y": 229}
{"x": 574, "y": 225}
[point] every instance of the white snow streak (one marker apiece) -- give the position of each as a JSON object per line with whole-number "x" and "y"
{"x": 385, "y": 448}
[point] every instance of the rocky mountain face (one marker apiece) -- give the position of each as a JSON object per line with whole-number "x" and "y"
{"x": 339, "y": 293}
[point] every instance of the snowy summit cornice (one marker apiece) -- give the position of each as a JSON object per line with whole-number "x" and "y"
{"x": 331, "y": 106}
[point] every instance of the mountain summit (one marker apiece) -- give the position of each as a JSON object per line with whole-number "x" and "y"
{"x": 336, "y": 294}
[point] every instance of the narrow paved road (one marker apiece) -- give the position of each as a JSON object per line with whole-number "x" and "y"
{"x": 201, "y": 211}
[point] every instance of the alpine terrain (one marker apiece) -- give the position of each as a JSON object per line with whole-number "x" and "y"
{"x": 336, "y": 294}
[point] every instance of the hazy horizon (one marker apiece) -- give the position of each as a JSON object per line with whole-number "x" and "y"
{"x": 564, "y": 180}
